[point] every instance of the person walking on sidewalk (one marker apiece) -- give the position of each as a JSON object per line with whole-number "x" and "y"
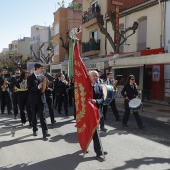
{"x": 130, "y": 92}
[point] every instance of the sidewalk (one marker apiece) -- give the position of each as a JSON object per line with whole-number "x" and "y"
{"x": 150, "y": 110}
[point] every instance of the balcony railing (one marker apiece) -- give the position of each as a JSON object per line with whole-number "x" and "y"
{"x": 88, "y": 15}
{"x": 90, "y": 46}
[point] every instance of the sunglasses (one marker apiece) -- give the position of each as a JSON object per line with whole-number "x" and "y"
{"x": 132, "y": 79}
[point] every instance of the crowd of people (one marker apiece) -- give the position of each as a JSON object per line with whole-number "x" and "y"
{"x": 35, "y": 93}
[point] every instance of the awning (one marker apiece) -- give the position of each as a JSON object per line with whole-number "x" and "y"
{"x": 139, "y": 61}
{"x": 117, "y": 67}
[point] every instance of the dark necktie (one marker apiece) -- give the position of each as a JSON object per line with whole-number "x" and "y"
{"x": 132, "y": 86}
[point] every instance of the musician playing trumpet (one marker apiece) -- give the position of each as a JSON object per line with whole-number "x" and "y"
{"x": 130, "y": 92}
{"x": 22, "y": 97}
{"x": 5, "y": 92}
{"x": 13, "y": 82}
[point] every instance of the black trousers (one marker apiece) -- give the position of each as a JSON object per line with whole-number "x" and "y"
{"x": 96, "y": 143}
{"x": 39, "y": 109}
{"x": 63, "y": 99}
{"x": 15, "y": 103}
{"x": 5, "y": 100}
{"x": 49, "y": 100}
{"x": 56, "y": 100}
{"x": 127, "y": 114}
{"x": 23, "y": 103}
{"x": 114, "y": 110}
{"x": 70, "y": 97}
{"x": 101, "y": 122}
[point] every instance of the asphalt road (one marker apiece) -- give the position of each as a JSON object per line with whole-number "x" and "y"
{"x": 128, "y": 148}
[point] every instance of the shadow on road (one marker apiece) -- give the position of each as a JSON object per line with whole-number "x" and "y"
{"x": 136, "y": 163}
{"x": 154, "y": 130}
{"x": 69, "y": 137}
{"x": 65, "y": 162}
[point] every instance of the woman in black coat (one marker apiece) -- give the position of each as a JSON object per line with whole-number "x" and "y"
{"x": 130, "y": 92}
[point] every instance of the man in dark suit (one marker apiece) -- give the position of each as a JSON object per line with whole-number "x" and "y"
{"x": 14, "y": 79}
{"x": 109, "y": 81}
{"x": 97, "y": 100}
{"x": 37, "y": 100}
{"x": 5, "y": 92}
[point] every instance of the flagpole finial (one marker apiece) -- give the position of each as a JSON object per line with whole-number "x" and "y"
{"x": 74, "y": 32}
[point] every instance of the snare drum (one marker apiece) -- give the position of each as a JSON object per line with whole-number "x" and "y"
{"x": 108, "y": 92}
{"x": 135, "y": 104}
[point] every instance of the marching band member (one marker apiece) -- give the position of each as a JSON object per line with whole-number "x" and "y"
{"x": 37, "y": 100}
{"x": 109, "y": 81}
{"x": 49, "y": 99}
{"x": 14, "y": 79}
{"x": 22, "y": 97}
{"x": 62, "y": 93}
{"x": 130, "y": 92}
{"x": 5, "y": 92}
{"x": 99, "y": 80}
{"x": 97, "y": 100}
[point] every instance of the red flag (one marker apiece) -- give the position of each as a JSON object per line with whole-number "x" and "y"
{"x": 87, "y": 115}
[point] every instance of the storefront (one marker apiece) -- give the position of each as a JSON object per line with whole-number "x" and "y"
{"x": 153, "y": 74}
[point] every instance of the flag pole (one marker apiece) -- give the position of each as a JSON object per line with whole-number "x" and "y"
{"x": 104, "y": 158}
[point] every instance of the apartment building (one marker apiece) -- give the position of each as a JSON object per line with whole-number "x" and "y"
{"x": 65, "y": 19}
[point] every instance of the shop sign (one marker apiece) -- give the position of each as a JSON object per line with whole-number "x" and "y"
{"x": 156, "y": 73}
{"x": 99, "y": 65}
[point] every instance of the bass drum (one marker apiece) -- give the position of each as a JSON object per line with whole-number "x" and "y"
{"x": 135, "y": 104}
{"x": 108, "y": 92}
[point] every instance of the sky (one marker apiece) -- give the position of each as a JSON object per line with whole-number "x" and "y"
{"x": 17, "y": 17}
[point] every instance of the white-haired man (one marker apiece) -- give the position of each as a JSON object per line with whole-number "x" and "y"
{"x": 97, "y": 100}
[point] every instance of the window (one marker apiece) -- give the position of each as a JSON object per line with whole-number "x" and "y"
{"x": 93, "y": 6}
{"x": 94, "y": 35}
{"x": 56, "y": 50}
{"x": 56, "y": 28}
{"x": 142, "y": 33}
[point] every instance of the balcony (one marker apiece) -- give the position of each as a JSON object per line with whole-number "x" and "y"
{"x": 90, "y": 48}
{"x": 89, "y": 17}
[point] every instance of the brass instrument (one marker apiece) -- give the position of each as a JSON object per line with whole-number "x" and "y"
{"x": 22, "y": 85}
{"x": 44, "y": 82}
{"x": 114, "y": 84}
{"x": 5, "y": 85}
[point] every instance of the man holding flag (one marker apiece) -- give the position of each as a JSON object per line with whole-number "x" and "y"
{"x": 88, "y": 99}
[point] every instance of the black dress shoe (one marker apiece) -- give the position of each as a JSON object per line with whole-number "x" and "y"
{"x": 103, "y": 129}
{"x": 124, "y": 125}
{"x": 30, "y": 124}
{"x": 54, "y": 121}
{"x": 100, "y": 154}
{"x": 34, "y": 133}
{"x": 45, "y": 135}
{"x": 9, "y": 112}
{"x": 142, "y": 127}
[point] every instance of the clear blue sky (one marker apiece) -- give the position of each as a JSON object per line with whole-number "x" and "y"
{"x": 17, "y": 17}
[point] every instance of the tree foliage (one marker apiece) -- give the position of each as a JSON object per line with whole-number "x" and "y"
{"x": 14, "y": 61}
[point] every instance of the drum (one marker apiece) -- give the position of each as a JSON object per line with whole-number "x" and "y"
{"x": 108, "y": 93}
{"x": 135, "y": 104}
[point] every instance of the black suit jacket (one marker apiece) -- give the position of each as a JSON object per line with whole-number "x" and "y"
{"x": 98, "y": 94}
{"x": 35, "y": 95}
{"x": 129, "y": 92}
